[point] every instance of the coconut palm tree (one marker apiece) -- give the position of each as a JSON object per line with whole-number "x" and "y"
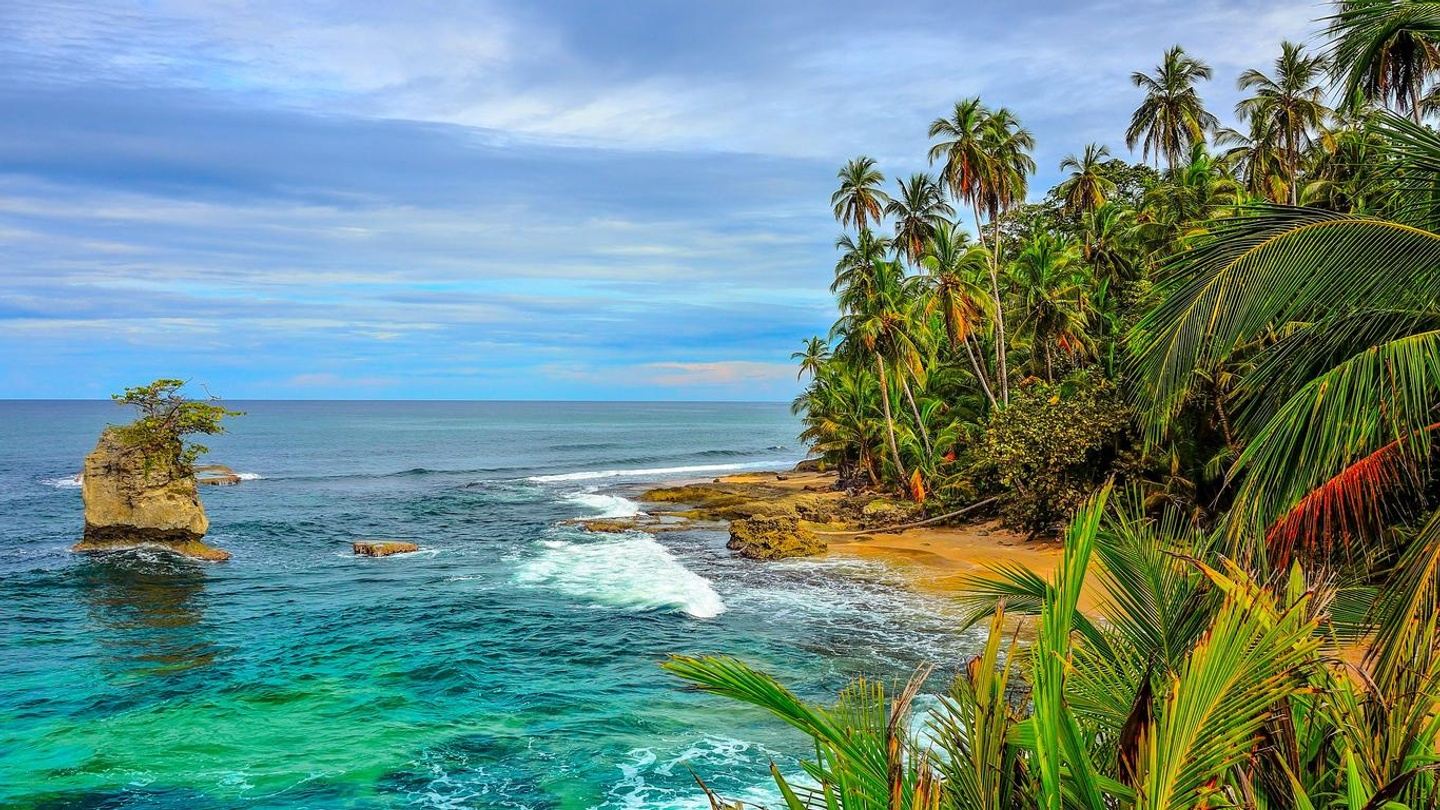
{"x": 1051, "y": 297}
{"x": 1258, "y": 160}
{"x": 858, "y": 257}
{"x": 838, "y": 412}
{"x": 1384, "y": 51}
{"x": 1290, "y": 105}
{"x": 859, "y": 201}
{"x": 919, "y": 208}
{"x": 1108, "y": 243}
{"x": 987, "y": 164}
{"x": 878, "y": 324}
{"x": 953, "y": 269}
{"x": 1172, "y": 118}
{"x": 1087, "y": 187}
{"x": 813, "y": 357}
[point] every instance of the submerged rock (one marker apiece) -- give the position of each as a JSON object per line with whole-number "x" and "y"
{"x": 382, "y": 548}
{"x": 135, "y": 500}
{"x": 773, "y": 537}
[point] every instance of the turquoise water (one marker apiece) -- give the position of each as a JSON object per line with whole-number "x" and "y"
{"x": 511, "y": 663}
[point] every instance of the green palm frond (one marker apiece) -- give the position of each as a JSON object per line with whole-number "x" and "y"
{"x": 1282, "y": 264}
{"x": 1382, "y": 400}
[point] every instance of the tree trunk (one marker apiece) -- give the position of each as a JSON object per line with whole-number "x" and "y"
{"x": 919, "y": 421}
{"x": 1049, "y": 363}
{"x": 975, "y": 365}
{"x": 889, "y": 420}
{"x": 1001, "y": 370}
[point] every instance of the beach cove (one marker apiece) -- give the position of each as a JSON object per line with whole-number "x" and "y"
{"x": 510, "y": 663}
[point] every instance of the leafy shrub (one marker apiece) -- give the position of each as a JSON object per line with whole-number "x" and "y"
{"x": 166, "y": 418}
{"x": 1052, "y": 446}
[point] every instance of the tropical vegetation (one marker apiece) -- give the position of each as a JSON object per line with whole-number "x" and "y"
{"x": 1217, "y": 376}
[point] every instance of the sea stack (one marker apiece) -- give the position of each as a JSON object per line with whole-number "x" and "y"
{"x": 134, "y": 500}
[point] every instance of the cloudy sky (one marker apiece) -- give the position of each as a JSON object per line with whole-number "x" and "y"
{"x": 476, "y": 199}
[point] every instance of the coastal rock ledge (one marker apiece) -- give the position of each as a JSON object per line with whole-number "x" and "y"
{"x": 135, "y": 501}
{"x": 773, "y": 537}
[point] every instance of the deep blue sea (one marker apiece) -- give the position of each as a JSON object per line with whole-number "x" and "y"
{"x": 510, "y": 663}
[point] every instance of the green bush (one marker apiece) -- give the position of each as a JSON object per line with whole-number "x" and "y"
{"x": 1052, "y": 446}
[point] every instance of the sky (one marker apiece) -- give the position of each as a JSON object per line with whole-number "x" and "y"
{"x": 502, "y": 200}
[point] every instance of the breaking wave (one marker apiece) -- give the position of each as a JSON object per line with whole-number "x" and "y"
{"x": 631, "y": 571}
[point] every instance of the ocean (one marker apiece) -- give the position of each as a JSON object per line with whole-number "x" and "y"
{"x": 512, "y": 663}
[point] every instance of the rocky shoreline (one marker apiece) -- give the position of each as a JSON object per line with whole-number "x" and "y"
{"x": 772, "y": 515}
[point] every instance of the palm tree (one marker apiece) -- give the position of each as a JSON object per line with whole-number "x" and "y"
{"x": 859, "y": 200}
{"x": 858, "y": 257}
{"x": 987, "y": 165}
{"x": 1108, "y": 244}
{"x": 1172, "y": 118}
{"x": 952, "y": 272}
{"x": 1087, "y": 187}
{"x": 1258, "y": 160}
{"x": 919, "y": 208}
{"x": 877, "y": 324}
{"x": 1384, "y": 51}
{"x": 838, "y": 413}
{"x": 1290, "y": 104}
{"x": 1052, "y": 297}
{"x": 812, "y": 358}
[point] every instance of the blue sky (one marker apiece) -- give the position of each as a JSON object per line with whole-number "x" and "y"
{"x": 532, "y": 200}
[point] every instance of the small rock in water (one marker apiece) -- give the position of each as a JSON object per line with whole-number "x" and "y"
{"x": 382, "y": 548}
{"x": 216, "y": 475}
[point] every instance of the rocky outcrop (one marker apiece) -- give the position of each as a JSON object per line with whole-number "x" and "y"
{"x": 382, "y": 548}
{"x": 133, "y": 500}
{"x": 216, "y": 475}
{"x": 773, "y": 537}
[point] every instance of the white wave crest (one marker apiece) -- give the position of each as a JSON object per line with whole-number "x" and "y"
{"x": 631, "y": 571}
{"x": 243, "y": 476}
{"x": 590, "y": 475}
{"x": 65, "y": 482}
{"x": 604, "y": 506}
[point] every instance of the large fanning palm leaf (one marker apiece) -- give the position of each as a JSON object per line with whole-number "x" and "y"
{"x": 1282, "y": 265}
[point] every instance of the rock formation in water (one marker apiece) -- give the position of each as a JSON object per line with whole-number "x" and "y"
{"x": 382, "y": 548}
{"x": 773, "y": 537}
{"x": 134, "y": 499}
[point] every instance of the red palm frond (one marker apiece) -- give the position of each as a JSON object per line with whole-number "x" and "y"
{"x": 1358, "y": 502}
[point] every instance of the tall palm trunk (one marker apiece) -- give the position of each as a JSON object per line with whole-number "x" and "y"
{"x": 919, "y": 421}
{"x": 889, "y": 420}
{"x": 975, "y": 365}
{"x": 1292, "y": 155}
{"x": 1001, "y": 370}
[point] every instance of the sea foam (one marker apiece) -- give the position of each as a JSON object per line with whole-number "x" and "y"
{"x": 604, "y": 506}
{"x": 589, "y": 475}
{"x": 64, "y": 482}
{"x": 630, "y": 570}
